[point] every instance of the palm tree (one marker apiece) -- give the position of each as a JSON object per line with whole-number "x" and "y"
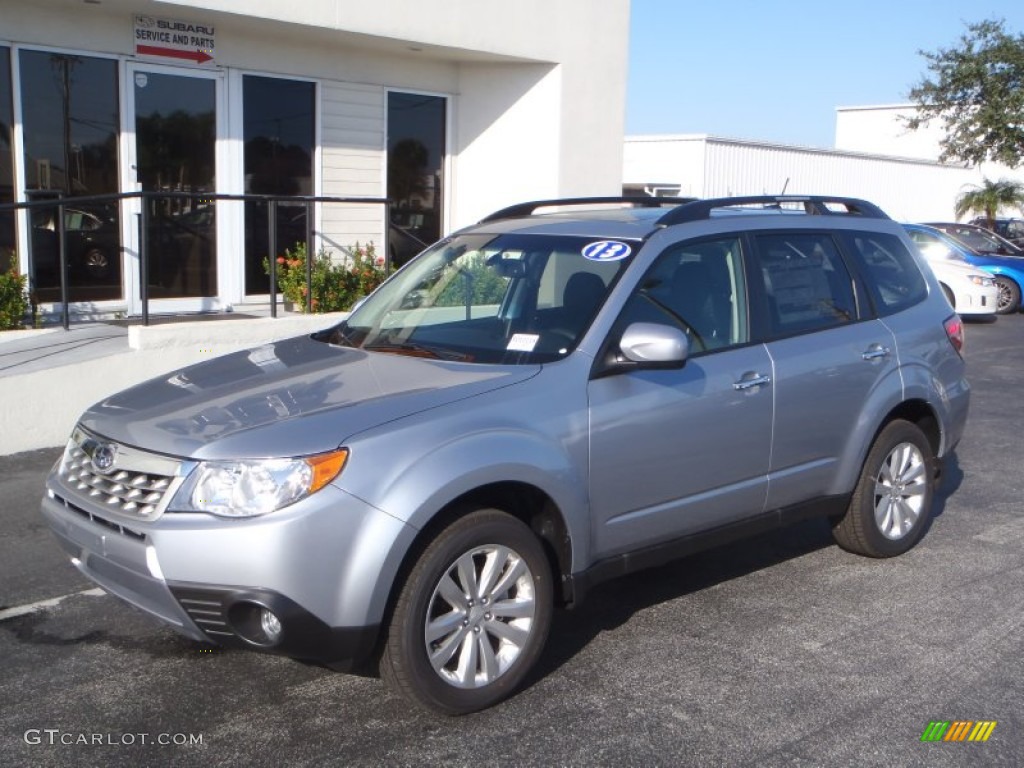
{"x": 988, "y": 198}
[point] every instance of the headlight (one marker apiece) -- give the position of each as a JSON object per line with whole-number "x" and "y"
{"x": 984, "y": 282}
{"x": 255, "y": 486}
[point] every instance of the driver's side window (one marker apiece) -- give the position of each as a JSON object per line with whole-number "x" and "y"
{"x": 697, "y": 286}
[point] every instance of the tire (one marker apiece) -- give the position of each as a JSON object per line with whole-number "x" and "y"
{"x": 892, "y": 502}
{"x": 1008, "y": 301}
{"x": 480, "y": 655}
{"x": 96, "y": 263}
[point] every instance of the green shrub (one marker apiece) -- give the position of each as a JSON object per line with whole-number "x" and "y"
{"x": 335, "y": 286}
{"x": 13, "y": 300}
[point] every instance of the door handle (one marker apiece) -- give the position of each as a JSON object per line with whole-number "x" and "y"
{"x": 875, "y": 351}
{"x": 751, "y": 380}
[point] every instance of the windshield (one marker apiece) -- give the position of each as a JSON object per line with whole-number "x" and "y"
{"x": 484, "y": 298}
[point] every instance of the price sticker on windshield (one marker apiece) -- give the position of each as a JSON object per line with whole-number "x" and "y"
{"x": 606, "y": 250}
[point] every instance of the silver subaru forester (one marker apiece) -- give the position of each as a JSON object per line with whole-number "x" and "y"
{"x": 568, "y": 391}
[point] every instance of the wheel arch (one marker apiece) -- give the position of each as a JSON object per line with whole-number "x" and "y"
{"x": 523, "y": 501}
{"x": 917, "y": 411}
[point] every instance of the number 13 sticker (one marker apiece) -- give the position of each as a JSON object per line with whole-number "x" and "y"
{"x": 606, "y": 250}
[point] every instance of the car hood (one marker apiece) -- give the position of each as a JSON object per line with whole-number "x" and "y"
{"x": 294, "y": 397}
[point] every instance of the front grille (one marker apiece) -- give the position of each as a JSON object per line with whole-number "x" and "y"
{"x": 136, "y": 486}
{"x": 121, "y": 529}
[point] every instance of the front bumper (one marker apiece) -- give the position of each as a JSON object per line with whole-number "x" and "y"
{"x": 978, "y": 302}
{"x": 323, "y": 566}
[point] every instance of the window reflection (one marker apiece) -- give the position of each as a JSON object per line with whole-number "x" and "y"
{"x": 70, "y": 116}
{"x": 8, "y": 254}
{"x": 279, "y": 130}
{"x": 416, "y": 148}
{"x": 176, "y": 135}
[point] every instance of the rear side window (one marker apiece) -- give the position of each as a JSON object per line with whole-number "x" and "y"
{"x": 893, "y": 278}
{"x": 806, "y": 283}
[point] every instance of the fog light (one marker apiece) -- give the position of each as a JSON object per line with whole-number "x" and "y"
{"x": 270, "y": 625}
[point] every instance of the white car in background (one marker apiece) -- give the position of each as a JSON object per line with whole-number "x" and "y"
{"x": 972, "y": 291}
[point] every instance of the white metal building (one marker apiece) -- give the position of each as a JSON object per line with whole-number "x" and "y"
{"x": 876, "y": 158}
{"x": 451, "y": 108}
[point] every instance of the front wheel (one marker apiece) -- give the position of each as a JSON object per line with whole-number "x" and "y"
{"x": 1008, "y": 300}
{"x": 893, "y": 498}
{"x": 472, "y": 617}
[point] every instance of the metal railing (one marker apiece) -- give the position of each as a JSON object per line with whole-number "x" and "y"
{"x": 61, "y": 203}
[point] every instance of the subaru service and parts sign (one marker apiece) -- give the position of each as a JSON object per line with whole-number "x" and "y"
{"x": 180, "y": 41}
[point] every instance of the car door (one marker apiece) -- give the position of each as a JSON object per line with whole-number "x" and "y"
{"x": 674, "y": 452}
{"x": 828, "y": 355}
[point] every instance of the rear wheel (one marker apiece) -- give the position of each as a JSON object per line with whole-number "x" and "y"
{"x": 472, "y": 617}
{"x": 893, "y": 497}
{"x": 1008, "y": 300}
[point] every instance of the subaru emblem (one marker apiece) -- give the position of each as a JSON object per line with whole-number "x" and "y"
{"x": 103, "y": 457}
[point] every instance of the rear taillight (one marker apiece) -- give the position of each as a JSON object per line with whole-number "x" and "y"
{"x": 955, "y": 333}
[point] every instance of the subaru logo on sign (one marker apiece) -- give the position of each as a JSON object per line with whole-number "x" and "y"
{"x": 103, "y": 457}
{"x": 606, "y": 250}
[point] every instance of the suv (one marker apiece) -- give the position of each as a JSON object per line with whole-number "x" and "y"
{"x": 533, "y": 405}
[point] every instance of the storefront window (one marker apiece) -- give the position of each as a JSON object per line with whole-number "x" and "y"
{"x": 8, "y": 253}
{"x": 279, "y": 126}
{"x": 416, "y": 148}
{"x": 176, "y": 147}
{"x": 70, "y": 118}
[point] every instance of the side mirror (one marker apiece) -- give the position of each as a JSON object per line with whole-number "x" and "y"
{"x": 652, "y": 345}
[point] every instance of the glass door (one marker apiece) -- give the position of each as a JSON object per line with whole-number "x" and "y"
{"x": 173, "y": 150}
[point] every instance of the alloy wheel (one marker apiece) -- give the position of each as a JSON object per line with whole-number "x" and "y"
{"x": 480, "y": 616}
{"x": 900, "y": 491}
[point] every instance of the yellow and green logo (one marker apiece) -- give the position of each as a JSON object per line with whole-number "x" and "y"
{"x": 958, "y": 730}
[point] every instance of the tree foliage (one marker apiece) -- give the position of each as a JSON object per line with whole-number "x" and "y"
{"x": 977, "y": 90}
{"x": 986, "y": 199}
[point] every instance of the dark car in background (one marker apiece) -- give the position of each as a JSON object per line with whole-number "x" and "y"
{"x": 1011, "y": 229}
{"x": 93, "y": 241}
{"x": 977, "y": 238}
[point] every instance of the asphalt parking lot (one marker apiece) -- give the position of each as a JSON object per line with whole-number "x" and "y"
{"x": 782, "y": 650}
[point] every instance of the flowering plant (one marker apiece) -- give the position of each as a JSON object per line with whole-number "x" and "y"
{"x": 13, "y": 300}
{"x": 336, "y": 286}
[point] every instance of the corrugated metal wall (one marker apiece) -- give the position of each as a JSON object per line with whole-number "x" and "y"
{"x": 908, "y": 190}
{"x": 708, "y": 166}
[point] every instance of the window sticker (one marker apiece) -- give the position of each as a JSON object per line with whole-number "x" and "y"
{"x": 606, "y": 250}
{"x": 522, "y": 342}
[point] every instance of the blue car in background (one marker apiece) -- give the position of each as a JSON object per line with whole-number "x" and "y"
{"x": 1008, "y": 271}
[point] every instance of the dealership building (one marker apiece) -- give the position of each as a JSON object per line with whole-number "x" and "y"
{"x": 434, "y": 113}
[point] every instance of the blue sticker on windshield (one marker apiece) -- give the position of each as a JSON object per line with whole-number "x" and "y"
{"x": 606, "y": 250}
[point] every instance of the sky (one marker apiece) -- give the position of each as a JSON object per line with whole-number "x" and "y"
{"x": 775, "y": 70}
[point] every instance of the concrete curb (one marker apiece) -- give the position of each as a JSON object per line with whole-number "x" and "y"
{"x": 206, "y": 334}
{"x": 28, "y": 333}
{"x": 43, "y": 406}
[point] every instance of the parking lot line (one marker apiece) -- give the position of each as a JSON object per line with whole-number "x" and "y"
{"x": 21, "y": 610}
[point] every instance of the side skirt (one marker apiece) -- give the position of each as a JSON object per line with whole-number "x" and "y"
{"x": 575, "y": 586}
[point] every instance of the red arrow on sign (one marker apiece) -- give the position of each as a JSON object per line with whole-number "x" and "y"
{"x": 199, "y": 57}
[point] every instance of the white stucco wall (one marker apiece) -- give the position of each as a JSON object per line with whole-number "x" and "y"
{"x": 537, "y": 88}
{"x": 882, "y": 130}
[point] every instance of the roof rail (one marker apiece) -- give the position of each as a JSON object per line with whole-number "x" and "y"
{"x": 813, "y": 205}
{"x": 638, "y": 201}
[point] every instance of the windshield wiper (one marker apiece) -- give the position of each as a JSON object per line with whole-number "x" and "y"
{"x": 414, "y": 349}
